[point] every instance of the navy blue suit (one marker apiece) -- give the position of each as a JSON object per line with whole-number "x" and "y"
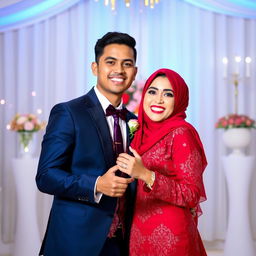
{"x": 76, "y": 149}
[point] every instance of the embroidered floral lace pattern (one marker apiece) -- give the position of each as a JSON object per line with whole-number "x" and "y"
{"x": 162, "y": 220}
{"x": 194, "y": 236}
{"x": 147, "y": 211}
{"x": 139, "y": 240}
{"x": 178, "y": 176}
{"x": 193, "y": 162}
{"x": 163, "y": 240}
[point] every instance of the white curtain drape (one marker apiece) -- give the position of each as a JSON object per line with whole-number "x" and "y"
{"x": 52, "y": 57}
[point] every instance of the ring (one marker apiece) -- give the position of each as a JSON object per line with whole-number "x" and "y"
{"x": 124, "y": 166}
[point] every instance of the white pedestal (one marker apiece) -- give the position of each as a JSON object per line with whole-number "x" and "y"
{"x": 27, "y": 238}
{"x": 238, "y": 170}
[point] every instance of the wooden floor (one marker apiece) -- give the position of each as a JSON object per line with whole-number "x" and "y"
{"x": 215, "y": 253}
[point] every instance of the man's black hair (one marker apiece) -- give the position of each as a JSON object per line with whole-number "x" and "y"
{"x": 114, "y": 38}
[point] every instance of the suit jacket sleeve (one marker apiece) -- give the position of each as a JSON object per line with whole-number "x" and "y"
{"x": 55, "y": 175}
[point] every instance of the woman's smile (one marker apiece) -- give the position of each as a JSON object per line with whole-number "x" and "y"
{"x": 157, "y": 109}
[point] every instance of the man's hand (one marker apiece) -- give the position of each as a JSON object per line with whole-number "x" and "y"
{"x": 111, "y": 185}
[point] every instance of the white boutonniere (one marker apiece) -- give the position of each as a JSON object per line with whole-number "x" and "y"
{"x": 133, "y": 127}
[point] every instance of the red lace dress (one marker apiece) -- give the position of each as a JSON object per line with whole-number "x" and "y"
{"x": 163, "y": 223}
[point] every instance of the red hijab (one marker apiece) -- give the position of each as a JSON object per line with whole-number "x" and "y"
{"x": 150, "y": 132}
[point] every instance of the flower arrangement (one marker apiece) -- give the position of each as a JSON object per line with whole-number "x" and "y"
{"x": 26, "y": 125}
{"x": 133, "y": 127}
{"x": 235, "y": 121}
{"x": 131, "y": 98}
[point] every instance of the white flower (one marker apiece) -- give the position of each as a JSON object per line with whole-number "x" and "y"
{"x": 21, "y": 120}
{"x": 133, "y": 126}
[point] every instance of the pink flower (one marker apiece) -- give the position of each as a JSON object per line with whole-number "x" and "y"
{"x": 224, "y": 123}
{"x": 29, "y": 126}
{"x": 137, "y": 95}
{"x": 132, "y": 89}
{"x": 231, "y": 121}
{"x": 235, "y": 121}
{"x": 238, "y": 121}
{"x": 248, "y": 122}
{"x": 243, "y": 118}
{"x": 141, "y": 84}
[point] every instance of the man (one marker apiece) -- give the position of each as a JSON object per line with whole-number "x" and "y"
{"x": 78, "y": 161}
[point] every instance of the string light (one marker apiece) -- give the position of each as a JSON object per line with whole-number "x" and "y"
{"x": 2, "y": 101}
{"x": 39, "y": 111}
{"x": 150, "y": 3}
{"x": 248, "y": 59}
{"x": 238, "y": 60}
{"x": 127, "y": 3}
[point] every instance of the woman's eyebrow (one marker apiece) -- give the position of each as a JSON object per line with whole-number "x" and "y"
{"x": 152, "y": 87}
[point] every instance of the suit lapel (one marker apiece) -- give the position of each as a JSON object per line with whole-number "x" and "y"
{"x": 97, "y": 114}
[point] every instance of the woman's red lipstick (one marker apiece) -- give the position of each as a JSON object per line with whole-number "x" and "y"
{"x": 157, "y": 109}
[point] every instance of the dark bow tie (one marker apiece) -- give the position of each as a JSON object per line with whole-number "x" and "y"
{"x": 111, "y": 111}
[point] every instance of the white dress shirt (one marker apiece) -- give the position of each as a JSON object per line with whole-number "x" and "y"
{"x": 110, "y": 120}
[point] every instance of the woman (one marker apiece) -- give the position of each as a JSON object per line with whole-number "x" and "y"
{"x": 168, "y": 162}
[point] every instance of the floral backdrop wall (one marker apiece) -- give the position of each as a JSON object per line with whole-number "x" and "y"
{"x": 132, "y": 96}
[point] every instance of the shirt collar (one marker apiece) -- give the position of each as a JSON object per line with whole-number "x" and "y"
{"x": 104, "y": 101}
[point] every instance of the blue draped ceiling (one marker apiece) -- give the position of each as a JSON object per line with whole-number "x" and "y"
{"x": 30, "y": 11}
{"x": 240, "y": 8}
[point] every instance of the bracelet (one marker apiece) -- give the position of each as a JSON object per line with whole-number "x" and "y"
{"x": 152, "y": 180}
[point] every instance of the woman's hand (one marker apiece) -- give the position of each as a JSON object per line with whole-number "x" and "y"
{"x": 133, "y": 166}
